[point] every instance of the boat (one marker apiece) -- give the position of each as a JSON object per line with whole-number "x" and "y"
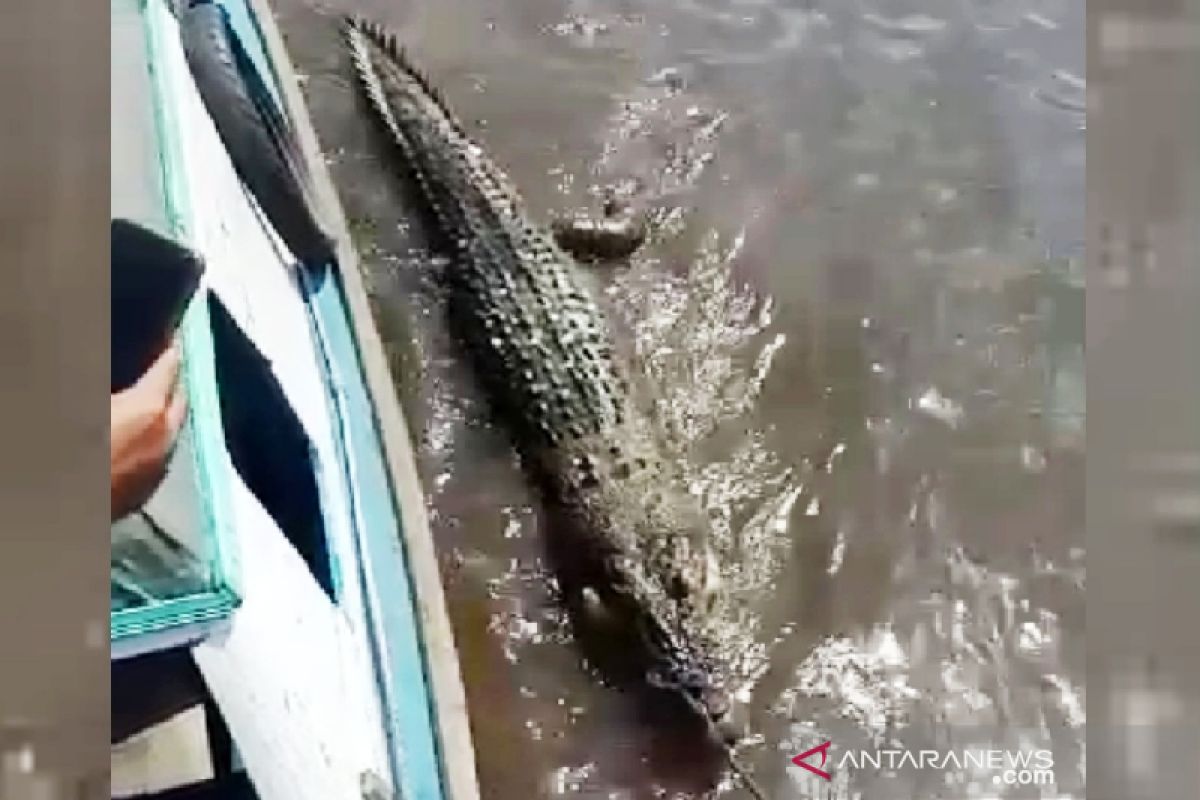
{"x": 278, "y": 625}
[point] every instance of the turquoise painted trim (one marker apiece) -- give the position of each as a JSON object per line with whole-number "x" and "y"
{"x": 175, "y": 612}
{"x": 394, "y": 631}
{"x": 393, "y": 627}
{"x": 200, "y": 379}
{"x": 182, "y": 635}
{"x": 174, "y": 193}
{"x": 245, "y": 25}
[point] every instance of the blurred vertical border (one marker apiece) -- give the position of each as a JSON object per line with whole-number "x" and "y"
{"x": 1143, "y": 374}
{"x": 54, "y": 197}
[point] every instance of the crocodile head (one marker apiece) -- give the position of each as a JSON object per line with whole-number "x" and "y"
{"x": 694, "y": 676}
{"x": 657, "y": 606}
{"x": 703, "y": 694}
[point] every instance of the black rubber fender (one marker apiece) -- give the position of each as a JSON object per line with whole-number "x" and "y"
{"x": 255, "y": 133}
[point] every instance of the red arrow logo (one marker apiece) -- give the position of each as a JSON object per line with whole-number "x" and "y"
{"x": 823, "y": 749}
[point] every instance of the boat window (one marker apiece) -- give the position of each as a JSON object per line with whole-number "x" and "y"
{"x": 268, "y": 445}
{"x": 171, "y": 561}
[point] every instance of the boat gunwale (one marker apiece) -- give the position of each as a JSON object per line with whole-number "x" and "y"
{"x": 455, "y": 749}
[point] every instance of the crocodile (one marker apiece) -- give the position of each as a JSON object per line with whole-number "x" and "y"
{"x": 627, "y": 541}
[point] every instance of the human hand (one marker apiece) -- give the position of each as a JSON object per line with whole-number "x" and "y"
{"x": 144, "y": 421}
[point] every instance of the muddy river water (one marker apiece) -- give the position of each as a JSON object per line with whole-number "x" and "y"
{"x": 861, "y": 306}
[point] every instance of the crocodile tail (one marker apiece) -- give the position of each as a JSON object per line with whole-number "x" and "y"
{"x": 357, "y": 32}
{"x": 437, "y": 152}
{"x": 363, "y": 34}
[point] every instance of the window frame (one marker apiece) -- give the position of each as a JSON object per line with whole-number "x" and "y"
{"x": 210, "y": 462}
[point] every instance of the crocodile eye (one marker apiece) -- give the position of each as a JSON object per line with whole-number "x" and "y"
{"x": 587, "y": 473}
{"x": 716, "y": 702}
{"x": 693, "y": 681}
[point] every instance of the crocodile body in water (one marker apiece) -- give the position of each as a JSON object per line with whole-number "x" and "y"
{"x": 627, "y": 541}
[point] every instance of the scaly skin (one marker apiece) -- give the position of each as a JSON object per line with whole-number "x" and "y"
{"x": 629, "y": 547}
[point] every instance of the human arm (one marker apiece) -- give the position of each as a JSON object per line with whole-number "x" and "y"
{"x": 144, "y": 422}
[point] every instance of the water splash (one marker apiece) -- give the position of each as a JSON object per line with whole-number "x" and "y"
{"x": 705, "y": 346}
